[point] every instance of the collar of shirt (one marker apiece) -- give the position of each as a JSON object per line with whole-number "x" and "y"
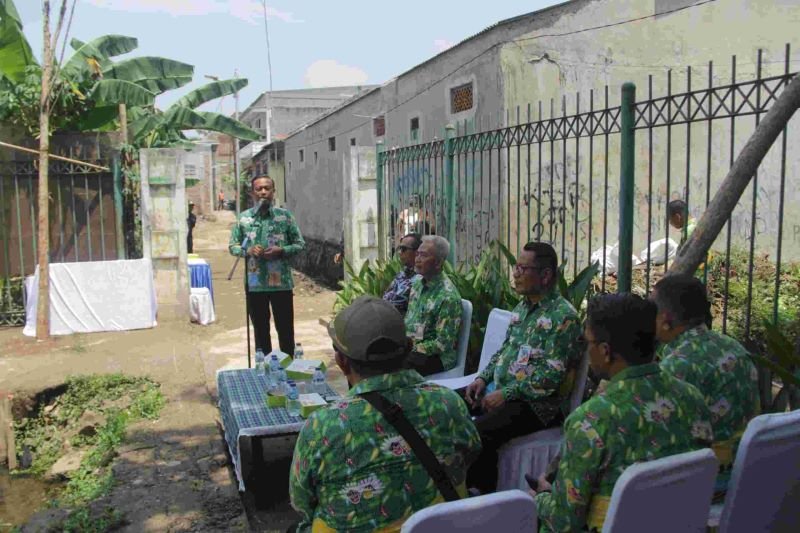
{"x": 545, "y": 302}
{"x": 395, "y": 380}
{"x": 691, "y": 332}
{"x": 434, "y": 282}
{"x": 634, "y": 372}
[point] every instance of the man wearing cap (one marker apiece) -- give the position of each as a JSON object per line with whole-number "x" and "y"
{"x": 434, "y": 310}
{"x": 191, "y": 221}
{"x": 398, "y": 292}
{"x": 268, "y": 236}
{"x": 352, "y": 470}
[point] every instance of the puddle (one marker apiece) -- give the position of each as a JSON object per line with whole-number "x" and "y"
{"x": 20, "y": 498}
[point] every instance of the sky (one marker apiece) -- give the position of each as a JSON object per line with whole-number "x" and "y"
{"x": 314, "y": 43}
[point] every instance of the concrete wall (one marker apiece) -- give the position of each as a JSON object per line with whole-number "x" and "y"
{"x": 198, "y": 165}
{"x": 556, "y": 61}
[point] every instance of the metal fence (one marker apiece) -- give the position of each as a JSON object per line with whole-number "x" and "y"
{"x": 553, "y": 174}
{"x": 85, "y": 215}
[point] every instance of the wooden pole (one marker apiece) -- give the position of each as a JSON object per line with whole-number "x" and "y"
{"x": 43, "y": 304}
{"x": 123, "y": 122}
{"x": 730, "y": 191}
{"x": 53, "y": 156}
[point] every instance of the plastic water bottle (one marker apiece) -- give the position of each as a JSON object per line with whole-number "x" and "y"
{"x": 318, "y": 382}
{"x": 298, "y": 351}
{"x": 292, "y": 399}
{"x": 274, "y": 367}
{"x": 282, "y": 379}
{"x": 259, "y": 360}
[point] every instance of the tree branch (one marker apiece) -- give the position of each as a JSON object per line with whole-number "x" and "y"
{"x": 730, "y": 191}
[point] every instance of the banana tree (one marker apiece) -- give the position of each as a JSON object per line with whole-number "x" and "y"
{"x": 15, "y": 52}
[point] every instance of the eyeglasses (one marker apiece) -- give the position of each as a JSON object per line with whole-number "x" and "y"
{"x": 524, "y": 268}
{"x": 404, "y": 248}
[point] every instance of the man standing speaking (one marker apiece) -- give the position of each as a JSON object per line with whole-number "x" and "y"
{"x": 267, "y": 237}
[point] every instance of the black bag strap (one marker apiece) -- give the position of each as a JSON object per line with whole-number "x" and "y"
{"x": 394, "y": 414}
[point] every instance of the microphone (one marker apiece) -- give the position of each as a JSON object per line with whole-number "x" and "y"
{"x": 263, "y": 207}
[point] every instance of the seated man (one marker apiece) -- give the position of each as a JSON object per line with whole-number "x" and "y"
{"x": 643, "y": 414}
{"x": 434, "y": 311}
{"x": 716, "y": 364}
{"x": 399, "y": 290}
{"x": 352, "y": 470}
{"x": 679, "y": 218}
{"x": 530, "y": 367}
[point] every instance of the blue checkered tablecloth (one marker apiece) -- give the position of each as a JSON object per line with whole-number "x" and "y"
{"x": 200, "y": 276}
{"x": 244, "y": 412}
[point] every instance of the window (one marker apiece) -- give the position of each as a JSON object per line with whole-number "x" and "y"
{"x": 316, "y": 158}
{"x": 302, "y": 154}
{"x": 331, "y": 144}
{"x": 415, "y": 129}
{"x": 258, "y": 123}
{"x": 379, "y": 126}
{"x": 353, "y": 141}
{"x": 461, "y": 98}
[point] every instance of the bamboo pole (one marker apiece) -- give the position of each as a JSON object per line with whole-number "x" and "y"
{"x": 53, "y": 156}
{"x": 43, "y": 304}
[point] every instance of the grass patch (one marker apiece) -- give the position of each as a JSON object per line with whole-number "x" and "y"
{"x": 119, "y": 399}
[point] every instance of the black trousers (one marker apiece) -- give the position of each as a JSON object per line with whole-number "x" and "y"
{"x": 282, "y": 303}
{"x": 423, "y": 363}
{"x": 189, "y": 243}
{"x": 513, "y": 419}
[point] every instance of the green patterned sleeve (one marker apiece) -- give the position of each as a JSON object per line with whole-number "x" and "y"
{"x": 301, "y": 489}
{"x": 487, "y": 374}
{"x": 235, "y": 242}
{"x": 549, "y": 368}
{"x": 565, "y": 508}
{"x": 295, "y": 243}
{"x": 447, "y": 325}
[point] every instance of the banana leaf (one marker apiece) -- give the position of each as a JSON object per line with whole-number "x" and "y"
{"x": 15, "y": 51}
{"x": 140, "y": 69}
{"x": 87, "y": 62}
{"x": 229, "y": 126}
{"x": 121, "y": 92}
{"x": 109, "y": 45}
{"x": 98, "y": 117}
{"x": 211, "y": 91}
{"x": 167, "y": 84}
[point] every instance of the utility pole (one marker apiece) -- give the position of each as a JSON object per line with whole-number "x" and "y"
{"x": 267, "y": 110}
{"x": 43, "y": 236}
{"x": 236, "y": 148}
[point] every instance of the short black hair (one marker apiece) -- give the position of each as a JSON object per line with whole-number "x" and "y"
{"x": 685, "y": 298}
{"x": 626, "y": 322}
{"x": 417, "y": 239}
{"x": 376, "y": 368}
{"x": 260, "y": 177}
{"x": 676, "y": 207}
{"x": 546, "y": 256}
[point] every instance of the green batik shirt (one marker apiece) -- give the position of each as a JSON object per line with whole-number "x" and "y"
{"x": 276, "y": 227}
{"x": 643, "y": 414}
{"x": 541, "y": 345}
{"x": 722, "y": 370}
{"x": 352, "y": 471}
{"x": 433, "y": 318}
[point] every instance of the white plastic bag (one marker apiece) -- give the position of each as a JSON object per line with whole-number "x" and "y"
{"x": 611, "y": 258}
{"x": 658, "y": 249}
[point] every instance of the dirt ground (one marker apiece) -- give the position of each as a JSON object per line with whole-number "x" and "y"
{"x": 172, "y": 474}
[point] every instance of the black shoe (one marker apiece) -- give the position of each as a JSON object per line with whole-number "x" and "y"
{"x": 533, "y": 483}
{"x": 472, "y": 492}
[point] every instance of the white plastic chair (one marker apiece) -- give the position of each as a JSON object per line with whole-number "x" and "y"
{"x": 764, "y": 490}
{"x": 531, "y": 453}
{"x": 664, "y": 495}
{"x": 496, "y": 330}
{"x": 461, "y": 347}
{"x": 509, "y": 511}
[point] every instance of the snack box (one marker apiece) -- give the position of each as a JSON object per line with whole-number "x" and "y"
{"x": 276, "y": 400}
{"x": 303, "y": 370}
{"x": 310, "y": 403}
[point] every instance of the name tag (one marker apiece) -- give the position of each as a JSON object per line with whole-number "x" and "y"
{"x": 514, "y": 318}
{"x": 280, "y": 218}
{"x": 419, "y": 331}
{"x": 524, "y": 354}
